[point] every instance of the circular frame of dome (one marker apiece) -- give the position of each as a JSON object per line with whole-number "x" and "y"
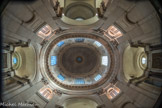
{"x": 79, "y": 14}
{"x": 73, "y": 73}
{"x": 108, "y": 75}
{"x": 81, "y": 9}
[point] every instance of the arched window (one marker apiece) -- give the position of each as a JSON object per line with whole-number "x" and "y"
{"x": 46, "y": 93}
{"x": 98, "y": 77}
{"x": 114, "y": 31}
{"x": 112, "y": 92}
{"x": 104, "y": 60}
{"x": 53, "y": 60}
{"x": 79, "y": 81}
{"x": 98, "y": 44}
{"x": 45, "y": 31}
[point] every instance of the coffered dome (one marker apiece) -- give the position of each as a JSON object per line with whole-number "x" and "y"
{"x": 81, "y": 54}
{"x": 76, "y": 61}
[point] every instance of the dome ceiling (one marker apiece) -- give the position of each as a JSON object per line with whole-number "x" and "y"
{"x": 85, "y": 53}
{"x": 76, "y": 61}
{"x": 76, "y": 12}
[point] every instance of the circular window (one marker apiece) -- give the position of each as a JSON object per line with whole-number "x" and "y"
{"x": 143, "y": 60}
{"x": 16, "y": 60}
